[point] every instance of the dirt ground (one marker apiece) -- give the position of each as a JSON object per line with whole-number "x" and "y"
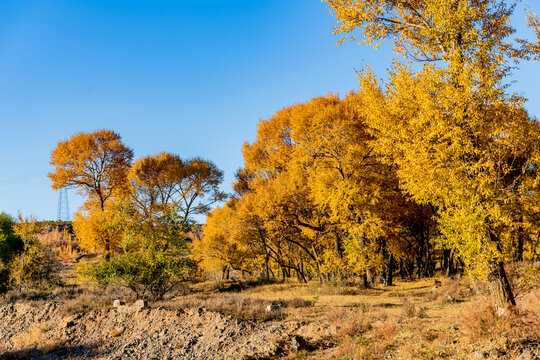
{"x": 412, "y": 320}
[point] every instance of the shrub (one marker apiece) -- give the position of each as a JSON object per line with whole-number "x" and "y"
{"x": 149, "y": 273}
{"x": 524, "y": 277}
{"x": 10, "y": 245}
{"x": 35, "y": 267}
{"x": 512, "y": 328}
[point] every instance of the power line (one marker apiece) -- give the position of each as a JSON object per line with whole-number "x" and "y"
{"x": 20, "y": 179}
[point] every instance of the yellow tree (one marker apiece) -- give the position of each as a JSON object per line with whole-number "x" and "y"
{"x": 457, "y": 139}
{"x": 280, "y": 195}
{"x": 96, "y": 230}
{"x": 190, "y": 186}
{"x": 226, "y": 243}
{"x": 96, "y": 163}
{"x": 315, "y": 181}
{"x": 165, "y": 193}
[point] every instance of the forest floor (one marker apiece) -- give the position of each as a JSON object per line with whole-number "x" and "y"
{"x": 435, "y": 318}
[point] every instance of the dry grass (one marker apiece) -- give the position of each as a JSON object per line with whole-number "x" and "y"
{"x": 240, "y": 306}
{"x": 411, "y": 310}
{"x": 485, "y": 322}
{"x": 350, "y": 323}
{"x": 37, "y": 338}
{"x": 82, "y": 302}
{"x": 29, "y": 338}
{"x": 414, "y": 320}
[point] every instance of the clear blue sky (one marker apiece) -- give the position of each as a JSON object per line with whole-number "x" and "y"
{"x": 186, "y": 77}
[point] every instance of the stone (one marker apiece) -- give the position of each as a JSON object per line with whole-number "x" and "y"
{"x": 117, "y": 331}
{"x": 526, "y": 355}
{"x": 117, "y": 303}
{"x": 273, "y": 308}
{"x": 478, "y": 355}
{"x": 139, "y": 304}
{"x": 298, "y": 343}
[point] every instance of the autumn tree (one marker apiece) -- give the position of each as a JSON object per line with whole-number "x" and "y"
{"x": 97, "y": 229}
{"x": 458, "y": 141}
{"x": 314, "y": 198}
{"x": 189, "y": 187}
{"x": 226, "y": 244}
{"x": 163, "y": 194}
{"x": 166, "y": 192}
{"x": 95, "y": 163}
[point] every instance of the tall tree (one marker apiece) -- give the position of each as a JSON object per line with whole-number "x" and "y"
{"x": 96, "y": 163}
{"x": 187, "y": 187}
{"x": 457, "y": 139}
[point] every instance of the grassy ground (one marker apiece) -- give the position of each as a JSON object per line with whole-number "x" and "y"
{"x": 432, "y": 318}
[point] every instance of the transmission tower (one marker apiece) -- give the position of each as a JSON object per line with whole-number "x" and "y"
{"x": 63, "y": 205}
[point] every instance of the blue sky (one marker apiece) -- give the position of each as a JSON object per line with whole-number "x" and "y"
{"x": 186, "y": 77}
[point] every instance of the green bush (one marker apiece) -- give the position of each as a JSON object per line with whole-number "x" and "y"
{"x": 149, "y": 273}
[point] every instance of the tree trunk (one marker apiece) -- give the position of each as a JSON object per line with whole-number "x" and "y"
{"x": 428, "y": 270}
{"x": 450, "y": 267}
{"x": 267, "y": 269}
{"x": 502, "y": 290}
{"x": 365, "y": 278}
{"x": 519, "y": 254}
{"x": 390, "y": 279}
{"x": 501, "y": 287}
{"x": 338, "y": 247}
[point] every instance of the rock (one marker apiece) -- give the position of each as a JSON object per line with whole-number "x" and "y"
{"x": 273, "y": 308}
{"x": 526, "y": 355}
{"x": 117, "y": 332}
{"x": 201, "y": 310}
{"x": 449, "y": 298}
{"x": 139, "y": 304}
{"x": 298, "y": 343}
{"x": 500, "y": 311}
{"x": 117, "y": 303}
{"x": 478, "y": 355}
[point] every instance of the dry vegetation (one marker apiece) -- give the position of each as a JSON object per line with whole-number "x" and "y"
{"x": 411, "y": 320}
